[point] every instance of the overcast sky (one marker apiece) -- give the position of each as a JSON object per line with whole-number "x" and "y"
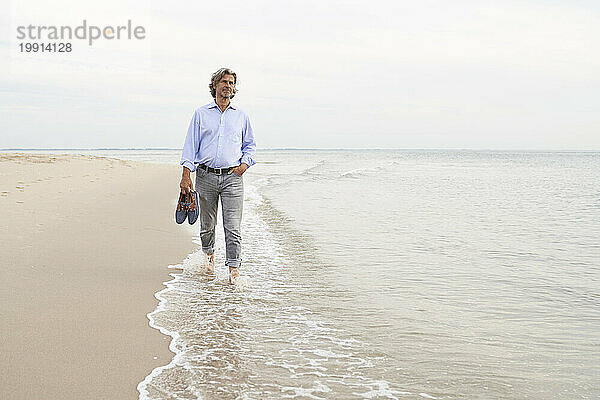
{"x": 312, "y": 74}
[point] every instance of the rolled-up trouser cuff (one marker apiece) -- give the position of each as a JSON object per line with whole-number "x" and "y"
{"x": 208, "y": 250}
{"x": 233, "y": 263}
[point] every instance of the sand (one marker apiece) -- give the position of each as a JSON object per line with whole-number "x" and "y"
{"x": 85, "y": 244}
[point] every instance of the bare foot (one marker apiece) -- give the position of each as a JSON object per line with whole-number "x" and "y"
{"x": 210, "y": 263}
{"x": 233, "y": 274}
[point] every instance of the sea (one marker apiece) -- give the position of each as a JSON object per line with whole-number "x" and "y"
{"x": 393, "y": 274}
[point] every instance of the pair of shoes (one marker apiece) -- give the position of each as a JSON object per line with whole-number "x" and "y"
{"x": 187, "y": 207}
{"x": 234, "y": 273}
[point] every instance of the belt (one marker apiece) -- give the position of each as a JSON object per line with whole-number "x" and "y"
{"x": 218, "y": 171}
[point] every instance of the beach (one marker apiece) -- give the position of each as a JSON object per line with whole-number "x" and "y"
{"x": 391, "y": 274}
{"x": 85, "y": 245}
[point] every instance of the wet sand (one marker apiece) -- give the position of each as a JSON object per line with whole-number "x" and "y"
{"x": 85, "y": 244}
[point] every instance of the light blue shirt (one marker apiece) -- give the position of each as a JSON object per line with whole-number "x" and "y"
{"x": 218, "y": 139}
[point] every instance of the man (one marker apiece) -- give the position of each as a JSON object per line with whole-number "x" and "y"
{"x": 220, "y": 147}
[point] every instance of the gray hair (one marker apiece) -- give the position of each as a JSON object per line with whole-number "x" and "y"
{"x": 216, "y": 78}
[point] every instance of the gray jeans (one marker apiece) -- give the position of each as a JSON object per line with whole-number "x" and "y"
{"x": 230, "y": 187}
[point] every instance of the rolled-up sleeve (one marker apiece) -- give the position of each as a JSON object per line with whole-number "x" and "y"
{"x": 191, "y": 144}
{"x": 248, "y": 144}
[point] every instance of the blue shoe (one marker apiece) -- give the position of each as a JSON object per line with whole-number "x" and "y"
{"x": 181, "y": 211}
{"x": 193, "y": 208}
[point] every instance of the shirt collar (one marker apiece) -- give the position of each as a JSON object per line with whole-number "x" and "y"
{"x": 214, "y": 104}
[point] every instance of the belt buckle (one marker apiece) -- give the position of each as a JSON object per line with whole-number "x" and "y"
{"x": 220, "y": 171}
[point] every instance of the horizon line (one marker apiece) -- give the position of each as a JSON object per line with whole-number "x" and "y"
{"x": 310, "y": 149}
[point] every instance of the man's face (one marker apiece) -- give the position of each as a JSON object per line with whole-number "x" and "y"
{"x": 225, "y": 86}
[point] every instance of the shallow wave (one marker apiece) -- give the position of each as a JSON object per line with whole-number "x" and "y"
{"x": 360, "y": 172}
{"x": 260, "y": 338}
{"x": 318, "y": 168}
